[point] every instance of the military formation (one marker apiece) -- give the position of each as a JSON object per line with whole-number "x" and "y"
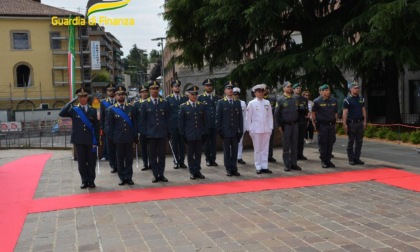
{"x": 194, "y": 121}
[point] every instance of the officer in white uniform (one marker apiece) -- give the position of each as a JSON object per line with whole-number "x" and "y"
{"x": 259, "y": 123}
{"x": 236, "y": 92}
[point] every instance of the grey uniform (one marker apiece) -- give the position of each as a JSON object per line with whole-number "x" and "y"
{"x": 286, "y": 117}
{"x": 303, "y": 122}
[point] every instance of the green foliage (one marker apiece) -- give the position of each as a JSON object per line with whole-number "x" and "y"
{"x": 370, "y": 131}
{"x": 382, "y": 132}
{"x": 415, "y": 137}
{"x": 392, "y": 136}
{"x": 340, "y": 129}
{"x": 375, "y": 39}
{"x": 405, "y": 137}
{"x": 101, "y": 76}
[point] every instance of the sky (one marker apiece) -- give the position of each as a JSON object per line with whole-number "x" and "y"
{"x": 149, "y": 23}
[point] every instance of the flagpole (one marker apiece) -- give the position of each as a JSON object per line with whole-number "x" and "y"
{"x": 71, "y": 59}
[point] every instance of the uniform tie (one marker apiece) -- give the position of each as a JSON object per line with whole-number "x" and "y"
{"x": 85, "y": 108}
{"x": 177, "y": 98}
{"x": 155, "y": 101}
{"x": 230, "y": 101}
{"x": 122, "y": 106}
{"x": 210, "y": 97}
{"x": 193, "y": 104}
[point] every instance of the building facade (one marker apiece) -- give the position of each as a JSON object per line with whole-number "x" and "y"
{"x": 33, "y": 69}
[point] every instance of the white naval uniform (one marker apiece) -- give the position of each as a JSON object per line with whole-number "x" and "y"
{"x": 259, "y": 123}
{"x": 240, "y": 144}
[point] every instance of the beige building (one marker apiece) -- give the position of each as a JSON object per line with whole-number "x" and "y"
{"x": 33, "y": 69}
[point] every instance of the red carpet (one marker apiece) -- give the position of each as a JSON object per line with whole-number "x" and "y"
{"x": 189, "y": 191}
{"x": 410, "y": 183}
{"x": 19, "y": 180}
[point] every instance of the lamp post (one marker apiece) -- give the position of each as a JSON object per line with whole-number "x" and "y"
{"x": 163, "y": 65}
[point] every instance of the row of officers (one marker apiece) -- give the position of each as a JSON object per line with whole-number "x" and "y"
{"x": 196, "y": 120}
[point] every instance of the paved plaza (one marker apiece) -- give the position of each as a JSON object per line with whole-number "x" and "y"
{"x": 360, "y": 216}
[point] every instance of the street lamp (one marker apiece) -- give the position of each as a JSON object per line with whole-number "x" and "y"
{"x": 163, "y": 65}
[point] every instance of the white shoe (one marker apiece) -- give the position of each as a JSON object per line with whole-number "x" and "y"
{"x": 307, "y": 141}
{"x": 103, "y": 159}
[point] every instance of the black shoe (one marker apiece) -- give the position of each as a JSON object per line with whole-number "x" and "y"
{"x": 114, "y": 170}
{"x": 351, "y": 162}
{"x": 330, "y": 164}
{"x": 163, "y": 179}
{"x": 192, "y": 176}
{"x": 240, "y": 161}
{"x": 272, "y": 160}
{"x": 332, "y": 156}
{"x": 287, "y": 168}
{"x": 324, "y": 164}
{"x": 130, "y": 181}
{"x": 122, "y": 182}
{"x": 92, "y": 185}
{"x": 200, "y": 175}
{"x": 358, "y": 161}
{"x": 176, "y": 166}
{"x": 84, "y": 185}
{"x": 208, "y": 163}
{"x": 229, "y": 174}
{"x": 302, "y": 158}
{"x": 296, "y": 167}
{"x": 235, "y": 173}
{"x": 145, "y": 168}
{"x": 183, "y": 166}
{"x": 266, "y": 171}
{"x": 214, "y": 163}
{"x": 259, "y": 171}
{"x": 155, "y": 180}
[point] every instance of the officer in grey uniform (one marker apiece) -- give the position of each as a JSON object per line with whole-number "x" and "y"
{"x": 272, "y": 101}
{"x": 287, "y": 118}
{"x": 211, "y": 101}
{"x": 354, "y": 122}
{"x": 122, "y": 123}
{"x": 324, "y": 117}
{"x": 84, "y": 137}
{"x": 154, "y": 124}
{"x": 108, "y": 144}
{"x": 229, "y": 125}
{"x": 144, "y": 93}
{"x": 303, "y": 120}
{"x": 193, "y": 127}
{"x": 178, "y": 144}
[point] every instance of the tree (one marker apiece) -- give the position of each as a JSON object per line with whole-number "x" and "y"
{"x": 155, "y": 56}
{"x": 156, "y": 70}
{"x": 101, "y": 76}
{"x": 137, "y": 65}
{"x": 259, "y": 36}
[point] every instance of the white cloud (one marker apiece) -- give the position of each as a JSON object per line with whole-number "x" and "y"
{"x": 148, "y": 23}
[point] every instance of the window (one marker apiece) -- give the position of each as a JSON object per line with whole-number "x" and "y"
{"x": 20, "y": 41}
{"x": 23, "y": 75}
{"x": 54, "y": 41}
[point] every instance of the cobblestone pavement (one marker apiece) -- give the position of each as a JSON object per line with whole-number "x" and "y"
{"x": 366, "y": 216}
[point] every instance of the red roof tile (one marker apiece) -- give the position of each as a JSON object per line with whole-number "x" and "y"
{"x": 31, "y": 8}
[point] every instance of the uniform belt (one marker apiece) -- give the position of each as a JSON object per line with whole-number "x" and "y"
{"x": 291, "y": 123}
{"x": 327, "y": 123}
{"x": 354, "y": 120}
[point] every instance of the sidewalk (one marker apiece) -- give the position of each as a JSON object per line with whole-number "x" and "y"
{"x": 363, "y": 216}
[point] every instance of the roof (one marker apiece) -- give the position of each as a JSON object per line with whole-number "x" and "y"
{"x": 31, "y": 8}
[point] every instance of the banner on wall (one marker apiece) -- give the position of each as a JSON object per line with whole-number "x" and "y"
{"x": 11, "y": 126}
